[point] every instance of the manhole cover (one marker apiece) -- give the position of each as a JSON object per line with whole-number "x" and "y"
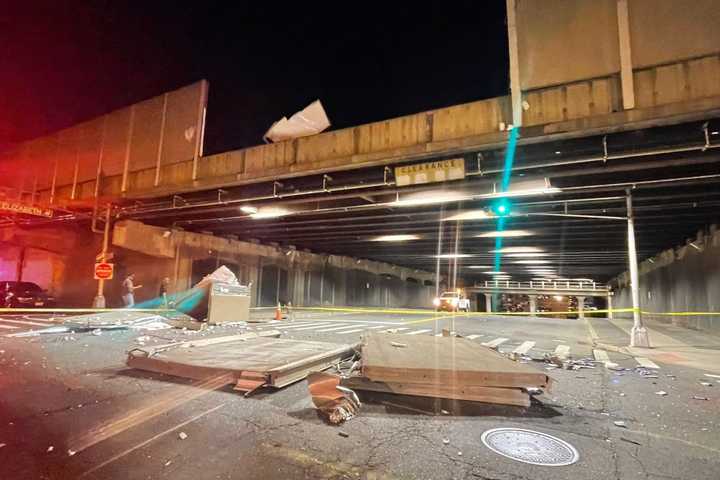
{"x": 530, "y": 447}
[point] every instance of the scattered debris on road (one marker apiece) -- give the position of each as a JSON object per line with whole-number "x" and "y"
{"x": 620, "y": 423}
{"x": 182, "y": 435}
{"x": 662, "y": 393}
{"x": 336, "y": 404}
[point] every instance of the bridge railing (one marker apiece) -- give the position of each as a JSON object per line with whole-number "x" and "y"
{"x": 545, "y": 285}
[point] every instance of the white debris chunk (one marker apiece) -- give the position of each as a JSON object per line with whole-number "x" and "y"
{"x": 662, "y": 393}
{"x": 50, "y": 448}
{"x": 182, "y": 435}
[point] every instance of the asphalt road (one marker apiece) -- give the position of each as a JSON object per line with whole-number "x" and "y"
{"x": 62, "y": 392}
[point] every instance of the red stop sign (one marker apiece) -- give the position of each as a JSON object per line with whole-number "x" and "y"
{"x": 104, "y": 271}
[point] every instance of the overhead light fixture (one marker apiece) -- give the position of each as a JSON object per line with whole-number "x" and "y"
{"x": 517, "y": 250}
{"x": 559, "y": 298}
{"x": 715, "y": 132}
{"x": 470, "y": 215}
{"x": 531, "y": 262}
{"x": 249, "y": 209}
{"x": 479, "y": 267}
{"x": 502, "y": 277}
{"x": 395, "y": 238}
{"x": 494, "y": 272}
{"x": 453, "y": 255}
{"x": 270, "y": 212}
{"x": 429, "y": 198}
{"x": 505, "y": 234}
{"x": 527, "y": 255}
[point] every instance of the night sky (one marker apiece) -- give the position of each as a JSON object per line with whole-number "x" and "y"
{"x": 63, "y": 64}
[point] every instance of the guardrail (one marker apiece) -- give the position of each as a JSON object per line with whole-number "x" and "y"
{"x": 542, "y": 285}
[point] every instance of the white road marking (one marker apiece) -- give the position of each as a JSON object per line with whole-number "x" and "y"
{"x": 288, "y": 326}
{"x": 418, "y": 332}
{"x": 389, "y": 330}
{"x": 473, "y": 337}
{"x": 562, "y": 351}
{"x": 495, "y": 343}
{"x": 438, "y": 334}
{"x": 344, "y": 327}
{"x": 353, "y": 331}
{"x": 26, "y": 322}
{"x": 315, "y": 327}
{"x": 9, "y": 327}
{"x": 646, "y": 363}
{"x": 376, "y": 327}
{"x": 524, "y": 348}
{"x": 602, "y": 356}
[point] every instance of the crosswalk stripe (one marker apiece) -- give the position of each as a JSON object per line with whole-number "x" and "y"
{"x": 562, "y": 351}
{"x": 602, "y": 356}
{"x": 646, "y": 362}
{"x": 473, "y": 337}
{"x": 340, "y": 328}
{"x": 315, "y": 327}
{"x": 396, "y": 329}
{"x": 353, "y": 331}
{"x": 9, "y": 327}
{"x": 524, "y": 348}
{"x": 418, "y": 332}
{"x": 27, "y": 322}
{"x": 292, "y": 324}
{"x": 495, "y": 343}
{"x": 376, "y": 327}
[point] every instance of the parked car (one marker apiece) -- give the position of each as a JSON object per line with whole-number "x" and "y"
{"x": 451, "y": 302}
{"x": 24, "y": 295}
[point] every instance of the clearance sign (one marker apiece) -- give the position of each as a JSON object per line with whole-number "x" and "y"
{"x": 25, "y": 209}
{"x": 430, "y": 172}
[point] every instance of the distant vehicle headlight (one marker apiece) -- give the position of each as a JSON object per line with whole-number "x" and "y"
{"x": 436, "y": 302}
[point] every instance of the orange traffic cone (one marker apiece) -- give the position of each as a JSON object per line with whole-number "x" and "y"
{"x": 278, "y": 312}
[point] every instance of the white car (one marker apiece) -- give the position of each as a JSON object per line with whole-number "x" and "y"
{"x": 452, "y": 302}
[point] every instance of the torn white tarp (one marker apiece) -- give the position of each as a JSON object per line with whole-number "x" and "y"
{"x": 309, "y": 121}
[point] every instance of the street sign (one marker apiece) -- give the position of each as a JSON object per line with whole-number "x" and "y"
{"x": 430, "y": 172}
{"x": 104, "y": 271}
{"x": 24, "y": 208}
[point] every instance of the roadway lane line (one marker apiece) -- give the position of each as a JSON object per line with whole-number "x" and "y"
{"x": 315, "y": 327}
{"x": 9, "y": 327}
{"x": 341, "y": 328}
{"x": 26, "y": 322}
{"x": 418, "y": 332}
{"x": 646, "y": 363}
{"x": 495, "y": 343}
{"x": 524, "y": 348}
{"x": 376, "y": 327}
{"x": 291, "y": 325}
{"x": 562, "y": 352}
{"x": 473, "y": 337}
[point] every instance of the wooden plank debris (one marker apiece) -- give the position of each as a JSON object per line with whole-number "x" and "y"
{"x": 444, "y": 367}
{"x": 248, "y": 359}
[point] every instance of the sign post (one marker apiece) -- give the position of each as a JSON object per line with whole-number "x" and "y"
{"x": 103, "y": 270}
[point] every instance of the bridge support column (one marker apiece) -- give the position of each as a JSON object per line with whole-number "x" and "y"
{"x": 581, "y": 306}
{"x": 488, "y": 302}
{"x": 609, "y": 307}
{"x": 533, "y": 303}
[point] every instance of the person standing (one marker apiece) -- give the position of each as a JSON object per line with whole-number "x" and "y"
{"x": 128, "y": 288}
{"x": 164, "y": 287}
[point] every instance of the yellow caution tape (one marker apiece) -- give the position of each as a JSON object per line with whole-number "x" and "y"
{"x": 82, "y": 310}
{"x": 401, "y": 311}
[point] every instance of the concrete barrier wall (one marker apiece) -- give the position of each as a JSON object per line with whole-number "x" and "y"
{"x": 685, "y": 279}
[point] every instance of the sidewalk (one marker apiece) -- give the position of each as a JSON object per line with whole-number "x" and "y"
{"x": 670, "y": 344}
